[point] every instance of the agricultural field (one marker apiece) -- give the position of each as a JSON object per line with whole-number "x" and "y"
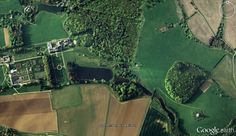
{"x": 95, "y": 111}
{"x": 130, "y": 114}
{"x": 42, "y": 32}
{"x": 211, "y": 10}
{"x": 204, "y": 24}
{"x": 88, "y": 118}
{"x": 230, "y": 23}
{"x": 223, "y": 74}
{"x": 188, "y": 7}
{"x": 66, "y": 97}
{"x": 36, "y": 114}
{"x": 158, "y": 51}
{"x": 200, "y": 28}
{"x": 7, "y": 5}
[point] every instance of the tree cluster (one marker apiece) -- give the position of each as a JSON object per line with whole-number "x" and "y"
{"x": 183, "y": 81}
{"x": 14, "y": 26}
{"x": 127, "y": 90}
{"x": 5, "y": 131}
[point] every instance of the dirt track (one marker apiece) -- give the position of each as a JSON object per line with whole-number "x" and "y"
{"x": 6, "y": 37}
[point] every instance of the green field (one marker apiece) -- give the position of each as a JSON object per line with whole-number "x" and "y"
{"x": 223, "y": 75}
{"x": 7, "y": 5}
{"x": 158, "y": 51}
{"x": 1, "y": 75}
{"x": 67, "y": 97}
{"x": 2, "y": 40}
{"x": 77, "y": 57}
{"x": 219, "y": 110}
{"x": 48, "y": 26}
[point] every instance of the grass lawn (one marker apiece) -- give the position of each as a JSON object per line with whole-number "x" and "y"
{"x": 48, "y": 26}
{"x": 223, "y": 75}
{"x": 219, "y": 111}
{"x": 7, "y": 5}
{"x": 59, "y": 68}
{"x": 1, "y": 75}
{"x": 158, "y": 51}
{"x": 77, "y": 57}
{"x": 2, "y": 40}
{"x": 67, "y": 97}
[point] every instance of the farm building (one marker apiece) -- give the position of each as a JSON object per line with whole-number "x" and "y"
{"x": 59, "y": 45}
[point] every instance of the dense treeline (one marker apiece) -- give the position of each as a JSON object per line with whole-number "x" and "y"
{"x": 153, "y": 3}
{"x": 114, "y": 26}
{"x": 5, "y": 131}
{"x": 183, "y": 81}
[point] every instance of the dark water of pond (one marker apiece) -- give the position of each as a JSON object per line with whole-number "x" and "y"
{"x": 88, "y": 73}
{"x": 49, "y": 8}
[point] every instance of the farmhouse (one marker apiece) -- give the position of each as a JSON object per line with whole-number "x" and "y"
{"x": 59, "y": 45}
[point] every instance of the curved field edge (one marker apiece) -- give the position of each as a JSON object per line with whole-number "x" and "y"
{"x": 158, "y": 51}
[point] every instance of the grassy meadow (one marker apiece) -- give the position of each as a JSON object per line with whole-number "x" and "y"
{"x": 7, "y": 5}
{"x": 2, "y": 40}
{"x": 158, "y": 51}
{"x": 67, "y": 97}
{"x": 48, "y": 26}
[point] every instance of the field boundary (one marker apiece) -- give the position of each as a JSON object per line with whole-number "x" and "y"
{"x": 145, "y": 115}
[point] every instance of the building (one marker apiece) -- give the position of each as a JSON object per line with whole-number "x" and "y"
{"x": 59, "y": 45}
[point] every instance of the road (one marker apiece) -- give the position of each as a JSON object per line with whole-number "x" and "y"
{"x": 233, "y": 59}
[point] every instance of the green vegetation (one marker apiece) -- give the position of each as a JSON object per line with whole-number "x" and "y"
{"x": 127, "y": 90}
{"x": 82, "y": 57}
{"x": 155, "y": 124}
{"x": 5, "y": 131}
{"x": 183, "y": 80}
{"x": 7, "y": 5}
{"x": 58, "y": 73}
{"x": 158, "y": 51}
{"x": 110, "y": 30}
{"x": 112, "y": 25}
{"x": 67, "y": 97}
{"x": 223, "y": 74}
{"x": 160, "y": 119}
{"x": 13, "y": 23}
{"x": 156, "y": 54}
{"x": 2, "y": 40}
{"x": 48, "y": 27}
